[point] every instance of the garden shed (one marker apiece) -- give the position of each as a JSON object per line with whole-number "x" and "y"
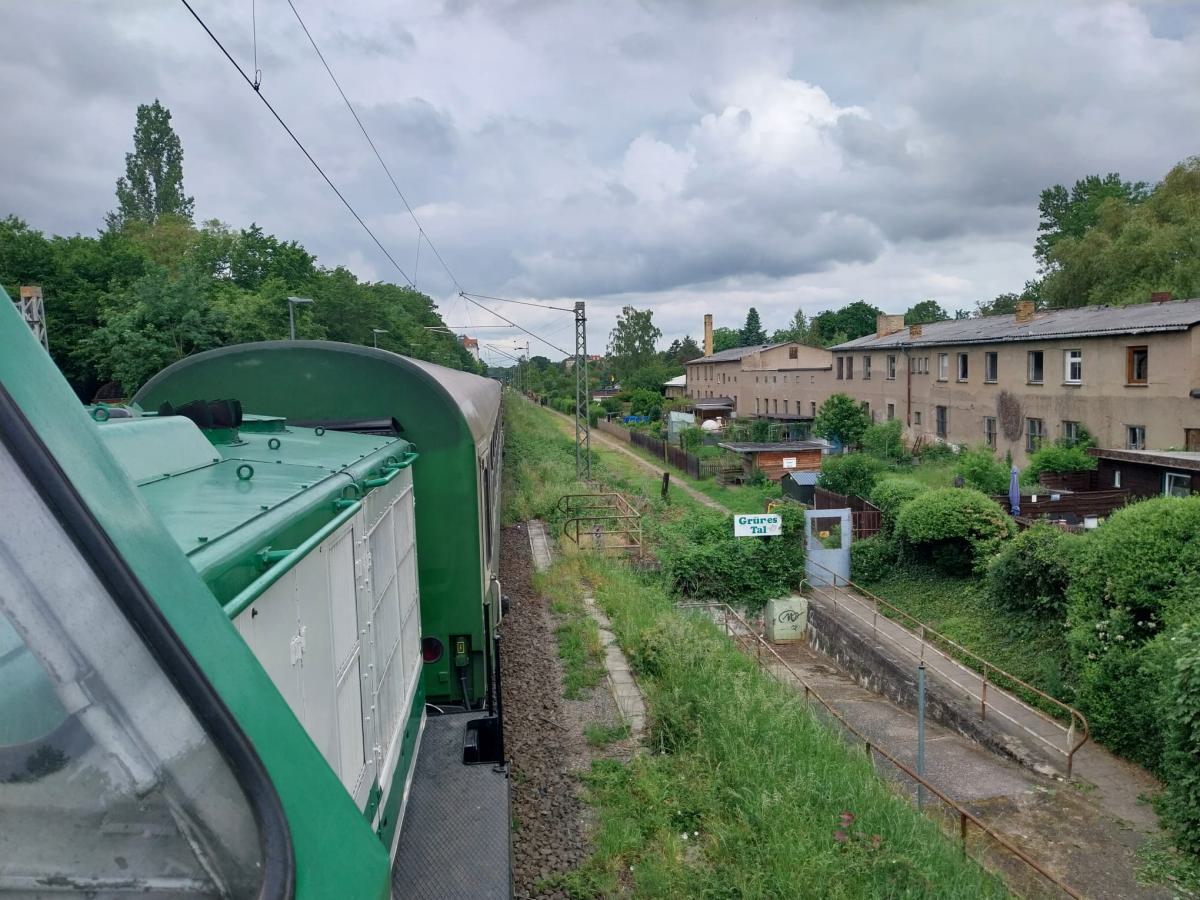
{"x": 1149, "y": 473}
{"x": 777, "y": 459}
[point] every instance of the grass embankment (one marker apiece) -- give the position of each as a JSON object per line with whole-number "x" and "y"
{"x": 743, "y": 792}
{"x": 1036, "y": 652}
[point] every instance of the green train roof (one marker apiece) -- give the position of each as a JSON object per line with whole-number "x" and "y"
{"x": 227, "y": 495}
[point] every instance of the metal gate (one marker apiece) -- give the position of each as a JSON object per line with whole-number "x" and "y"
{"x": 827, "y": 545}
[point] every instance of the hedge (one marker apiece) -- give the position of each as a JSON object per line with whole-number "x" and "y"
{"x": 958, "y": 529}
{"x": 850, "y": 473}
{"x": 1031, "y": 573}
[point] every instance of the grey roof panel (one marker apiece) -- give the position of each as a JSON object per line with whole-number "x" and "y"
{"x": 733, "y": 354}
{"x": 1083, "y": 321}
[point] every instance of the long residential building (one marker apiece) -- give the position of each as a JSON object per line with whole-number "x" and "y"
{"x": 1130, "y": 375}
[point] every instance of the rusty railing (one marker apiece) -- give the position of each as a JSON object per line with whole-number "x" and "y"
{"x": 744, "y": 637}
{"x": 947, "y": 648}
{"x": 602, "y": 518}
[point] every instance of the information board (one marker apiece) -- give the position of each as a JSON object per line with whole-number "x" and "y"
{"x": 757, "y": 525}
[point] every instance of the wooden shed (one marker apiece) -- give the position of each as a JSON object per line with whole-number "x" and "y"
{"x": 778, "y": 459}
{"x": 1149, "y": 473}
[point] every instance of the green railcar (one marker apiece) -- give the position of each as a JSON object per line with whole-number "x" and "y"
{"x": 453, "y": 420}
{"x": 215, "y": 627}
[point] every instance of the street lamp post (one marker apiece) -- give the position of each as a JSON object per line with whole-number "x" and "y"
{"x": 292, "y": 301}
{"x": 375, "y": 333}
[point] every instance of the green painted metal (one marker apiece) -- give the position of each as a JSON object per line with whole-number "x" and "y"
{"x": 336, "y": 853}
{"x": 448, "y": 415}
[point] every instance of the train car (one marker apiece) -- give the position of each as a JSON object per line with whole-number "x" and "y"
{"x": 452, "y": 418}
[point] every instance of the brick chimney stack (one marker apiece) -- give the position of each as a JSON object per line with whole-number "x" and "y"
{"x": 914, "y": 330}
{"x": 1024, "y": 310}
{"x": 888, "y": 324}
{"x": 708, "y": 339}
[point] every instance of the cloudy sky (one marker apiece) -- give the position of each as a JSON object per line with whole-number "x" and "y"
{"x": 691, "y": 157}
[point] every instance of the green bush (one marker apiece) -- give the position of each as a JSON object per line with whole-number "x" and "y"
{"x": 841, "y": 418}
{"x": 981, "y": 470}
{"x": 645, "y": 403}
{"x": 850, "y": 473}
{"x": 1181, "y": 764}
{"x": 873, "y": 558}
{"x": 1032, "y": 571}
{"x": 890, "y": 494}
{"x": 703, "y": 560}
{"x": 1135, "y": 583}
{"x": 1060, "y": 459}
{"x": 692, "y": 438}
{"x": 935, "y": 451}
{"x": 958, "y": 529}
{"x": 884, "y": 441}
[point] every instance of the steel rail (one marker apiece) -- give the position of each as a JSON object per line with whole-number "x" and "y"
{"x": 965, "y": 817}
{"x": 982, "y": 669}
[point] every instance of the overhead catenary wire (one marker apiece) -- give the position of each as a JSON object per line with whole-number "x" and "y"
{"x": 296, "y": 140}
{"x": 537, "y": 337}
{"x": 519, "y": 302}
{"x": 421, "y": 233}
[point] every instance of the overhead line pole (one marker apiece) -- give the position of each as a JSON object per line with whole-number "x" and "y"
{"x": 583, "y": 421}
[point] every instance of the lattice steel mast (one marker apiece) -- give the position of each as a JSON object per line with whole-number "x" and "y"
{"x": 583, "y": 424}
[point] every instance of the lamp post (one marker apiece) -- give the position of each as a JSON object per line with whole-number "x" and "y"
{"x": 292, "y": 301}
{"x": 375, "y": 333}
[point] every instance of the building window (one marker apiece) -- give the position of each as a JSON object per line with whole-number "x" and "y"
{"x": 891, "y": 367}
{"x": 962, "y": 367}
{"x": 991, "y": 367}
{"x": 1037, "y": 373}
{"x": 849, "y": 368}
{"x": 1070, "y": 432}
{"x": 841, "y": 368}
{"x": 1035, "y": 433}
{"x": 793, "y": 352}
{"x": 891, "y": 411}
{"x": 785, "y": 412}
{"x": 1073, "y": 366}
{"x": 813, "y": 408}
{"x": 943, "y": 366}
{"x": 1116, "y": 478}
{"x": 866, "y": 407}
{"x": 1177, "y": 484}
{"x": 989, "y": 431}
{"x": 1135, "y": 437}
{"x": 866, "y": 368}
{"x": 917, "y": 417}
{"x": 776, "y": 407}
{"x": 1137, "y": 365}
{"x": 756, "y": 409}
{"x": 940, "y": 417}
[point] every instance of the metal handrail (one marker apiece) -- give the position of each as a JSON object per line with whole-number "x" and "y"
{"x": 965, "y": 817}
{"x": 601, "y": 507}
{"x": 983, "y": 667}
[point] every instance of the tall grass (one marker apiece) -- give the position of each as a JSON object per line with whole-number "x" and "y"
{"x": 743, "y": 792}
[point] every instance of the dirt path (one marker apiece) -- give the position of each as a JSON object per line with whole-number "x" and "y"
{"x": 567, "y": 425}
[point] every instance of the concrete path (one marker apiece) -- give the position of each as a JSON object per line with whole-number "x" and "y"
{"x": 1115, "y": 784}
{"x": 1065, "y": 830}
{"x": 611, "y": 443}
{"x": 621, "y": 682}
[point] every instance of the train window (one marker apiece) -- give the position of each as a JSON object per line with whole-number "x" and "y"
{"x": 108, "y": 780}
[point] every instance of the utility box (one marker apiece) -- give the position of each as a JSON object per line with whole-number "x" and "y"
{"x": 787, "y": 619}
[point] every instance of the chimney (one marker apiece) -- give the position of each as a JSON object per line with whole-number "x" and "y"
{"x": 888, "y": 324}
{"x": 708, "y": 343}
{"x": 1155, "y": 297}
{"x": 1024, "y": 310}
{"x": 914, "y": 330}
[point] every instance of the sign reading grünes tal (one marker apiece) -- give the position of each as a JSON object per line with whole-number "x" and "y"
{"x": 757, "y": 525}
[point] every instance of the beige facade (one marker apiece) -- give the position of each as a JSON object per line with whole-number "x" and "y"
{"x": 1129, "y": 375}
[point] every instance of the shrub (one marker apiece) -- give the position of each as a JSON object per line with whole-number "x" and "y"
{"x": 1031, "y": 572}
{"x": 873, "y": 558}
{"x": 958, "y": 529}
{"x": 981, "y": 470}
{"x": 692, "y": 438}
{"x": 841, "y": 418}
{"x": 1134, "y": 585}
{"x": 884, "y": 441}
{"x": 1181, "y": 763}
{"x": 1060, "y": 458}
{"x": 644, "y": 403}
{"x": 890, "y": 494}
{"x": 703, "y": 560}
{"x": 850, "y": 473}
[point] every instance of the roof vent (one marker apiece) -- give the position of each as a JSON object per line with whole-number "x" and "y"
{"x": 1024, "y": 310}
{"x": 914, "y": 330}
{"x": 1161, "y": 297}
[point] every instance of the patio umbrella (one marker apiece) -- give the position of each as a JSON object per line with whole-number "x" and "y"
{"x": 1014, "y": 493}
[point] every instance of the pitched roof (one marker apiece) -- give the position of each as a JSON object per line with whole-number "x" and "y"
{"x": 677, "y": 381}
{"x": 1083, "y": 321}
{"x": 733, "y": 354}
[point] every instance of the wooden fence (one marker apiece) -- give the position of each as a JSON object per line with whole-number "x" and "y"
{"x": 674, "y": 456}
{"x": 615, "y": 430}
{"x": 1068, "y": 507}
{"x": 867, "y": 520}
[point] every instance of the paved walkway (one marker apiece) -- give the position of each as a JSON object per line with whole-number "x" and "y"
{"x": 1118, "y": 785}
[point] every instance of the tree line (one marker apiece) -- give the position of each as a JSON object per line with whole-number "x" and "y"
{"x": 152, "y": 286}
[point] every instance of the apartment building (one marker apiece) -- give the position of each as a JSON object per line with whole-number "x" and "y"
{"x": 1130, "y": 375}
{"x": 785, "y": 381}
